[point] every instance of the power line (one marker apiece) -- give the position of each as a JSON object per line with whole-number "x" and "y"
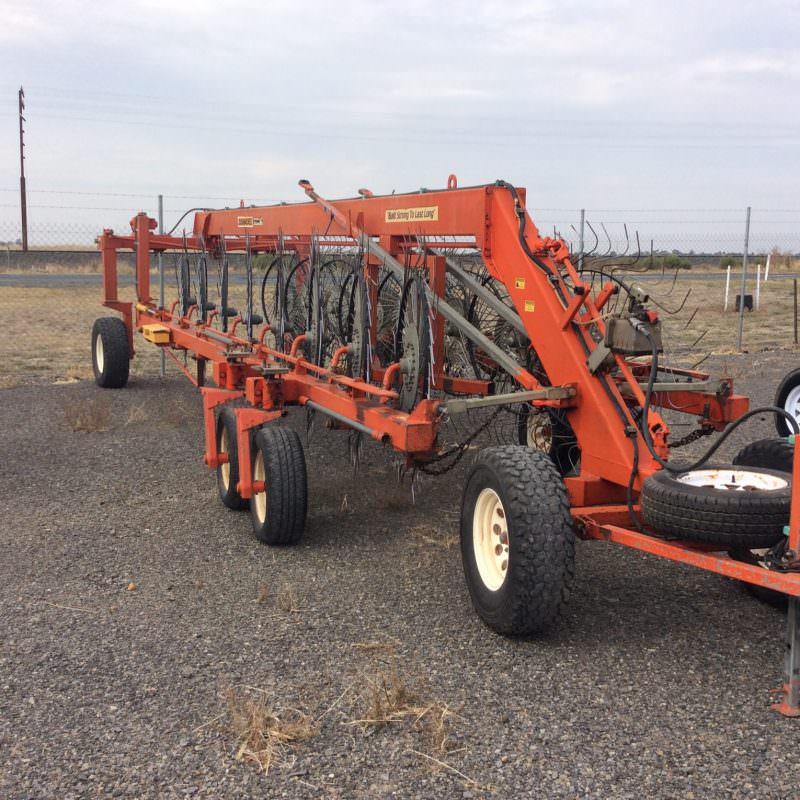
{"x": 667, "y": 143}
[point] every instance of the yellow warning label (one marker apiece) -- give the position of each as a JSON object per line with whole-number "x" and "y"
{"x": 420, "y": 214}
{"x": 519, "y": 283}
{"x": 530, "y": 306}
{"x": 249, "y": 222}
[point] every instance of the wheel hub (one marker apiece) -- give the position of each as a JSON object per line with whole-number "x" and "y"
{"x": 99, "y": 355}
{"x": 490, "y": 539}
{"x": 410, "y": 365}
{"x": 260, "y": 498}
{"x": 732, "y": 480}
{"x": 792, "y": 403}
{"x": 539, "y": 430}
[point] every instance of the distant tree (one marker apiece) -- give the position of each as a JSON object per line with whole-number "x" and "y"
{"x": 669, "y": 262}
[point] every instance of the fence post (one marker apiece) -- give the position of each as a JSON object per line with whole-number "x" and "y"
{"x": 758, "y": 286}
{"x": 744, "y": 279}
{"x": 580, "y": 240}
{"x": 794, "y": 280}
{"x": 727, "y": 285}
{"x": 162, "y": 369}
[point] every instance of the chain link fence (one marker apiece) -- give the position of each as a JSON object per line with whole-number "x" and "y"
{"x": 689, "y": 261}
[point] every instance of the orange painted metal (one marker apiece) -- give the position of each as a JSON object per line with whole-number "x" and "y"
{"x": 685, "y": 552}
{"x": 555, "y": 316}
{"x": 794, "y": 520}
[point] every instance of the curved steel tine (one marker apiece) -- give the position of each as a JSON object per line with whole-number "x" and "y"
{"x": 610, "y": 244}
{"x": 673, "y": 311}
{"x": 627, "y": 240}
{"x": 628, "y": 266}
{"x": 590, "y": 251}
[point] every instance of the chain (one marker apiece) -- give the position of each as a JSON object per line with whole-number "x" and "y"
{"x": 457, "y": 451}
{"x": 691, "y": 437}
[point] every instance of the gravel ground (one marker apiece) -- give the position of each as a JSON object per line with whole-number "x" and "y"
{"x": 656, "y": 683}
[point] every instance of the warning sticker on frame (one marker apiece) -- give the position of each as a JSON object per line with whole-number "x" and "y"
{"x": 249, "y": 222}
{"x": 421, "y": 214}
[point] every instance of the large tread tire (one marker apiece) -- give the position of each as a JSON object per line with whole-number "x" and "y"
{"x": 744, "y": 520}
{"x": 111, "y": 357}
{"x": 279, "y": 512}
{"x": 228, "y": 474}
{"x": 775, "y": 454}
{"x": 541, "y": 540}
{"x": 788, "y": 386}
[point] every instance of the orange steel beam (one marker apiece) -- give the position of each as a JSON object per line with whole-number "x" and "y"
{"x": 489, "y": 216}
{"x": 593, "y": 527}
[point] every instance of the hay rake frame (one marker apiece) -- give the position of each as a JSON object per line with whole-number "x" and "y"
{"x": 565, "y": 322}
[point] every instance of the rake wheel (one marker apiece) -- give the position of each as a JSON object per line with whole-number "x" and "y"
{"x": 413, "y": 344}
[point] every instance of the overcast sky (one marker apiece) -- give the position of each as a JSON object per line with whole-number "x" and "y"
{"x": 609, "y": 105}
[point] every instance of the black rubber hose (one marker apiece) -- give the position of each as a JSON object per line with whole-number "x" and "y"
{"x": 726, "y": 433}
{"x": 183, "y": 217}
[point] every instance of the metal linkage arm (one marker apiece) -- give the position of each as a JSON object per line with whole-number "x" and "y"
{"x": 503, "y": 359}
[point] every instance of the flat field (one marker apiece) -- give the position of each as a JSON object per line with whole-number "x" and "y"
{"x": 46, "y": 327}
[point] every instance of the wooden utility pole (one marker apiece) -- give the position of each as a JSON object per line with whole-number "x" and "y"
{"x": 23, "y": 203}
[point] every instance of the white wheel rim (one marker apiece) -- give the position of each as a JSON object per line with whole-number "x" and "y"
{"x": 99, "y": 356}
{"x": 260, "y": 498}
{"x": 490, "y": 539}
{"x": 729, "y": 479}
{"x": 539, "y": 431}
{"x": 792, "y": 404}
{"x": 225, "y": 468}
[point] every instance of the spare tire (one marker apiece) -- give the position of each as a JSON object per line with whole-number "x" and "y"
{"x": 734, "y": 507}
{"x": 770, "y": 453}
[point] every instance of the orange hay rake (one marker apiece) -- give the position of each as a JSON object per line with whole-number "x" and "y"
{"x": 397, "y": 315}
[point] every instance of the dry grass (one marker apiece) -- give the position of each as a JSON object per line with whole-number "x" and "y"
{"x": 47, "y": 333}
{"x": 702, "y": 326}
{"x": 263, "y": 734}
{"x": 136, "y": 414}
{"x": 389, "y": 697}
{"x": 47, "y": 330}
{"x": 430, "y": 535}
{"x": 286, "y": 600}
{"x": 89, "y": 416}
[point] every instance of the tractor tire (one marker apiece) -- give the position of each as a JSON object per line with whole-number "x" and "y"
{"x": 775, "y": 454}
{"x": 279, "y": 512}
{"x": 517, "y": 540}
{"x": 788, "y": 398}
{"x": 769, "y": 596}
{"x": 111, "y": 358}
{"x": 709, "y": 506}
{"x": 228, "y": 474}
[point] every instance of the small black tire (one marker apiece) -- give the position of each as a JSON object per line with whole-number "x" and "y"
{"x": 519, "y": 486}
{"x": 560, "y": 442}
{"x": 279, "y": 512}
{"x": 787, "y": 397}
{"x": 228, "y": 473}
{"x": 111, "y": 356}
{"x": 769, "y": 596}
{"x": 742, "y": 520}
{"x": 768, "y": 453}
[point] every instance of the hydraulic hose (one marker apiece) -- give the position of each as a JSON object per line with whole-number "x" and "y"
{"x": 645, "y": 329}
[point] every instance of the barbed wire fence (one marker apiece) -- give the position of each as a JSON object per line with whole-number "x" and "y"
{"x": 689, "y": 261}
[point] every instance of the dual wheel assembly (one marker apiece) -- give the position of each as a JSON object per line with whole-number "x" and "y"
{"x": 280, "y": 487}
